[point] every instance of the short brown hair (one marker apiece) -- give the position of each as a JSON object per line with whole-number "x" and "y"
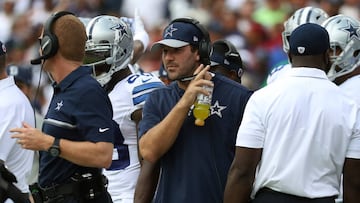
{"x": 71, "y": 36}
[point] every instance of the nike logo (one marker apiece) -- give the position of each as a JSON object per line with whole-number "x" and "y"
{"x": 101, "y": 130}
{"x": 145, "y": 80}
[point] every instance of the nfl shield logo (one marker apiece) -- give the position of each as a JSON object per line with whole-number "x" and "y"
{"x": 301, "y": 50}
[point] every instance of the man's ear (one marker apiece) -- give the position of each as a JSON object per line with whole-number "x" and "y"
{"x": 198, "y": 56}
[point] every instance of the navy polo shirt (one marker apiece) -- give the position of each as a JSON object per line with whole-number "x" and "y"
{"x": 80, "y": 110}
{"x": 195, "y": 168}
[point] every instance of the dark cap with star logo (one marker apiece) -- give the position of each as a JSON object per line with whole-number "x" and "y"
{"x": 179, "y": 34}
{"x": 309, "y": 39}
{"x": 225, "y": 54}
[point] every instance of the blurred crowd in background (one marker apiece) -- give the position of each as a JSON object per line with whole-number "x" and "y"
{"x": 253, "y": 26}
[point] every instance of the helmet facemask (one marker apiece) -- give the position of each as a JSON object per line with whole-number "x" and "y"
{"x": 345, "y": 62}
{"x": 109, "y": 48}
{"x": 344, "y": 33}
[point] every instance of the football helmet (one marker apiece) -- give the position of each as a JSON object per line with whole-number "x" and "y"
{"x": 225, "y": 54}
{"x": 109, "y": 46}
{"x": 301, "y": 16}
{"x": 344, "y": 33}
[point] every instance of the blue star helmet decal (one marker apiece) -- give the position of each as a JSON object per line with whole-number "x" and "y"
{"x": 169, "y": 31}
{"x": 121, "y": 28}
{"x": 352, "y": 31}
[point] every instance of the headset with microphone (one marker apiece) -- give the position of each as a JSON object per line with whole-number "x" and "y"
{"x": 204, "y": 46}
{"x": 226, "y": 54}
{"x": 49, "y": 44}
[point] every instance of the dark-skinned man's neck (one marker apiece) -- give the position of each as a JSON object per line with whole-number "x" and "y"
{"x": 310, "y": 61}
{"x": 116, "y": 77}
{"x": 343, "y": 78}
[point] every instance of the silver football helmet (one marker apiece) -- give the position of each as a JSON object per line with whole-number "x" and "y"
{"x": 344, "y": 33}
{"x": 301, "y": 16}
{"x": 109, "y": 46}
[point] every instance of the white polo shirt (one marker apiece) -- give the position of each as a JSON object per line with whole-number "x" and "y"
{"x": 306, "y": 127}
{"x": 15, "y": 108}
{"x": 351, "y": 88}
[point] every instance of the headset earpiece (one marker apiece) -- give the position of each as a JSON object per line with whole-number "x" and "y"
{"x": 49, "y": 44}
{"x": 204, "y": 47}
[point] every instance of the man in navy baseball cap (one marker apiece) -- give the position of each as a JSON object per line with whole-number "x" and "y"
{"x": 179, "y": 34}
{"x": 182, "y": 33}
{"x": 309, "y": 39}
{"x": 172, "y": 150}
{"x": 309, "y": 47}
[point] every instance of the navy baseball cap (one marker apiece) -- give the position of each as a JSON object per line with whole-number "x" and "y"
{"x": 225, "y": 54}
{"x": 2, "y": 49}
{"x": 179, "y": 34}
{"x": 309, "y": 39}
{"x": 21, "y": 74}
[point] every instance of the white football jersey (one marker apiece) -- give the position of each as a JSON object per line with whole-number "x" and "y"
{"x": 350, "y": 88}
{"x": 127, "y": 96}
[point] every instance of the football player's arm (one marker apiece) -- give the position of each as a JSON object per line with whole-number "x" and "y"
{"x": 136, "y": 116}
{"x": 241, "y": 175}
{"x": 149, "y": 172}
{"x": 140, "y": 35}
{"x": 138, "y": 51}
{"x": 147, "y": 182}
{"x": 351, "y": 180}
{"x": 159, "y": 139}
